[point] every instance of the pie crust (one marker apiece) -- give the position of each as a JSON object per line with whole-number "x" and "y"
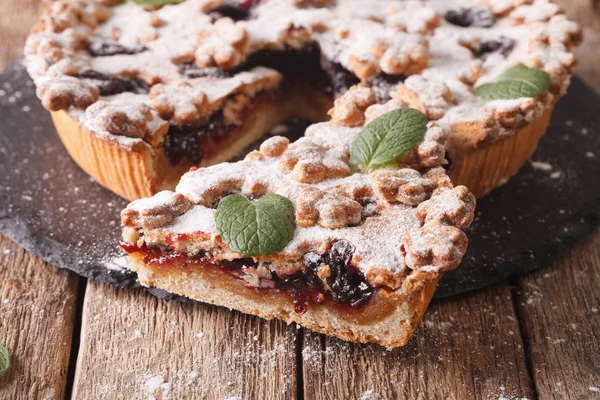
{"x": 121, "y": 80}
{"x": 367, "y": 252}
{"x": 389, "y": 319}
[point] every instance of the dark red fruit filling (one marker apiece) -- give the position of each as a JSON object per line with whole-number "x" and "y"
{"x": 190, "y": 71}
{"x": 348, "y": 286}
{"x": 111, "y": 85}
{"x": 203, "y": 140}
{"x": 186, "y": 143}
{"x": 338, "y": 78}
{"x": 235, "y": 13}
{"x": 194, "y": 143}
{"x": 369, "y": 207}
{"x": 503, "y": 46}
{"x": 238, "y": 12}
{"x": 103, "y": 48}
{"x": 465, "y": 17}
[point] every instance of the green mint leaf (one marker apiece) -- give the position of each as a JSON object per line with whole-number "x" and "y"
{"x": 388, "y": 137}
{"x": 157, "y": 2}
{"x": 4, "y": 361}
{"x": 514, "y": 83}
{"x": 255, "y": 228}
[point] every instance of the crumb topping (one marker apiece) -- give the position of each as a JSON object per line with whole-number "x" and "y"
{"x": 429, "y": 55}
{"x": 388, "y": 215}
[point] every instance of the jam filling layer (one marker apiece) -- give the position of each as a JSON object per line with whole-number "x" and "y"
{"x": 323, "y": 278}
{"x": 306, "y": 65}
{"x": 195, "y": 143}
{"x": 192, "y": 144}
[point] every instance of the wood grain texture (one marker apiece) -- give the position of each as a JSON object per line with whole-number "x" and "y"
{"x": 465, "y": 348}
{"x": 468, "y": 347}
{"x": 16, "y": 18}
{"x": 134, "y": 346}
{"x": 558, "y": 306}
{"x": 37, "y": 300}
{"x": 559, "y": 309}
{"x": 37, "y": 314}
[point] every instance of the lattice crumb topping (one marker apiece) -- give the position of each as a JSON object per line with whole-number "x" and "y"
{"x": 429, "y": 55}
{"x": 388, "y": 216}
{"x": 310, "y": 160}
{"x": 126, "y": 117}
{"x": 349, "y": 109}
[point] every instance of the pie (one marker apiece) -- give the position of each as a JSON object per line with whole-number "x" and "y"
{"x": 140, "y": 94}
{"x": 367, "y": 250}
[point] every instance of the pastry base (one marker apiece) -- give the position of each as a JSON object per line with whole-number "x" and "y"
{"x": 142, "y": 171}
{"x": 388, "y": 319}
{"x": 491, "y": 165}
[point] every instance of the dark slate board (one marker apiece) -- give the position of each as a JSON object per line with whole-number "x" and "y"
{"x": 53, "y": 209}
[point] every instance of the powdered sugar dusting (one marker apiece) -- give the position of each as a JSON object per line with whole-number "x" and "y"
{"x": 395, "y": 38}
{"x": 317, "y": 165}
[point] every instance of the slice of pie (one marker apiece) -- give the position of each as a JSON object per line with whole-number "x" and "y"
{"x": 305, "y": 233}
{"x": 140, "y": 94}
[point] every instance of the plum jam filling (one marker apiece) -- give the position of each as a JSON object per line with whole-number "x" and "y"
{"x": 105, "y": 48}
{"x": 323, "y": 278}
{"x": 192, "y": 144}
{"x": 238, "y": 12}
{"x": 502, "y": 45}
{"x": 111, "y": 85}
{"x": 195, "y": 143}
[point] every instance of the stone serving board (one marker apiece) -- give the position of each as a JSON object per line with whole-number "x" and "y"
{"x": 55, "y": 210}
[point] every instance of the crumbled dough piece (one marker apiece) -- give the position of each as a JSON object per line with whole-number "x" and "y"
{"x": 329, "y": 210}
{"x": 154, "y": 212}
{"x": 377, "y": 110}
{"x": 434, "y": 247}
{"x": 406, "y": 56}
{"x": 124, "y": 118}
{"x": 455, "y": 207}
{"x": 224, "y": 44}
{"x": 66, "y": 91}
{"x": 311, "y": 161}
{"x": 414, "y": 18}
{"x": 349, "y": 109}
{"x": 180, "y": 101}
{"x": 404, "y": 185}
{"x": 275, "y": 146}
{"x": 431, "y": 98}
{"x": 540, "y": 10}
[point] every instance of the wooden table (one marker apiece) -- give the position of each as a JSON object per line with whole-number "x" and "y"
{"x": 537, "y": 336}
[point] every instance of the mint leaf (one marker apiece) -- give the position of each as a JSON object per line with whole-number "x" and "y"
{"x": 157, "y": 2}
{"x": 255, "y": 228}
{"x": 388, "y": 137}
{"x": 514, "y": 83}
{"x": 4, "y": 361}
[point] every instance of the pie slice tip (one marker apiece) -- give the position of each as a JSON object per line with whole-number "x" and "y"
{"x": 364, "y": 259}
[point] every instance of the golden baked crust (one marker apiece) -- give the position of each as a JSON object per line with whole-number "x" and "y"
{"x": 389, "y": 319}
{"x": 492, "y": 164}
{"x": 137, "y": 169}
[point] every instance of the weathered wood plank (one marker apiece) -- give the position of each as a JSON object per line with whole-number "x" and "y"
{"x": 16, "y": 18}
{"x": 559, "y": 306}
{"x": 37, "y": 300}
{"x": 134, "y": 345}
{"x": 465, "y": 348}
{"x": 559, "y": 309}
{"x": 37, "y": 314}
